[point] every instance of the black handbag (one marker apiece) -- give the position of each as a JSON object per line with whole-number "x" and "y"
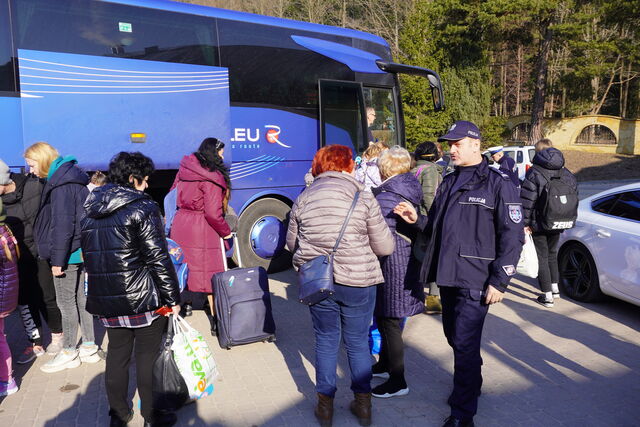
{"x": 169, "y": 391}
{"x": 316, "y": 275}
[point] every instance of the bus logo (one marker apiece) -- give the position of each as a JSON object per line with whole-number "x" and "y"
{"x": 273, "y": 135}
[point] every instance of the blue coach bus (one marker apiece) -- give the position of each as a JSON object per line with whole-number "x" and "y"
{"x": 96, "y": 77}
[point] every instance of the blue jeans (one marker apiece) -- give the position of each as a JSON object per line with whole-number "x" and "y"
{"x": 347, "y": 314}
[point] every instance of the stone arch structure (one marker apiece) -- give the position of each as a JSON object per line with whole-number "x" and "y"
{"x": 565, "y": 132}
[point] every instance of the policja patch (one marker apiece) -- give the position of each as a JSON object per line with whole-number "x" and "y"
{"x": 515, "y": 213}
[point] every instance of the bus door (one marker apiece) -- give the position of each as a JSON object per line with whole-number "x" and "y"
{"x": 342, "y": 115}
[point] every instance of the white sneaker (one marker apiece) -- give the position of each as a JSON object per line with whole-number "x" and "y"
{"x": 89, "y": 353}
{"x": 56, "y": 344}
{"x": 66, "y": 359}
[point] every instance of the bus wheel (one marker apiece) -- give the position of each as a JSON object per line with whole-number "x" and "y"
{"x": 262, "y": 231}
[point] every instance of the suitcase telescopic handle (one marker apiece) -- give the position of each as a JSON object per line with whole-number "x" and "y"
{"x": 236, "y": 250}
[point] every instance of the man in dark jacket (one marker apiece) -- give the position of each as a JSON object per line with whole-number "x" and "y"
{"x": 21, "y": 197}
{"x": 548, "y": 162}
{"x": 475, "y": 235}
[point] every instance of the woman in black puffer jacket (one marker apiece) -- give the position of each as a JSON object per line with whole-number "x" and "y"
{"x": 130, "y": 276}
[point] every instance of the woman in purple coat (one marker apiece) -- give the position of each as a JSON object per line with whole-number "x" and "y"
{"x": 402, "y": 294}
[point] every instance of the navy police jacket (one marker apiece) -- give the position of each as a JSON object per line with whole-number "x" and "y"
{"x": 476, "y": 233}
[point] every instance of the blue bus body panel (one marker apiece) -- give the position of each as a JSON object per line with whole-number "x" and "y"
{"x": 89, "y": 106}
{"x": 11, "y": 147}
{"x": 272, "y": 132}
{"x": 272, "y": 151}
{"x": 250, "y": 17}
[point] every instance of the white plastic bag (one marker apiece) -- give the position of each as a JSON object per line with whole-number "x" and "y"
{"x": 528, "y": 263}
{"x": 193, "y": 358}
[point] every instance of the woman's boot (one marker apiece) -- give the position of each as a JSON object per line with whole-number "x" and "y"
{"x": 361, "y": 408}
{"x": 324, "y": 410}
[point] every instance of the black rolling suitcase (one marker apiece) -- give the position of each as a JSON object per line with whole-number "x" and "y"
{"x": 243, "y": 304}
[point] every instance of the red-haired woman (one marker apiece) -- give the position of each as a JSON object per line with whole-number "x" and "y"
{"x": 315, "y": 222}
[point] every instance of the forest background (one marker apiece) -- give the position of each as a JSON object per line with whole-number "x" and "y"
{"x": 497, "y": 58}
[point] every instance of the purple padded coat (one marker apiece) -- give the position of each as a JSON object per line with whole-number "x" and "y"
{"x": 8, "y": 271}
{"x": 402, "y": 294}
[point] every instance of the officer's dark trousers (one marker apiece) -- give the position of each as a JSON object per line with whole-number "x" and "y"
{"x": 463, "y": 314}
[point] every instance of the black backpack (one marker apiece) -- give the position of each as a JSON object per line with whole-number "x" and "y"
{"x": 557, "y": 206}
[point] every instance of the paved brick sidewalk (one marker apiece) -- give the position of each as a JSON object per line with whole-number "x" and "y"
{"x": 574, "y": 365}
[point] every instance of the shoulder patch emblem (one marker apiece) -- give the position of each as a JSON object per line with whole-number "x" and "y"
{"x": 515, "y": 213}
{"x": 509, "y": 269}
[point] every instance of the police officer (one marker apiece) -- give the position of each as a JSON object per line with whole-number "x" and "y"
{"x": 507, "y": 164}
{"x": 475, "y": 234}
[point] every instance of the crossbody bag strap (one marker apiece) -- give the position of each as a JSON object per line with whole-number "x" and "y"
{"x": 346, "y": 221}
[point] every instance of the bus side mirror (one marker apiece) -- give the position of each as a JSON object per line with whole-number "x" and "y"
{"x": 436, "y": 92}
{"x": 434, "y": 79}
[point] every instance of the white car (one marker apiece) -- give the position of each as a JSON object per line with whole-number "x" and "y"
{"x": 601, "y": 254}
{"x": 522, "y": 154}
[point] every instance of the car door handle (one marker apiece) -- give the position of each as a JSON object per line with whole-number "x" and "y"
{"x": 603, "y": 233}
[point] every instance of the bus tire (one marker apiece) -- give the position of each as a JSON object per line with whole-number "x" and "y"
{"x": 251, "y": 217}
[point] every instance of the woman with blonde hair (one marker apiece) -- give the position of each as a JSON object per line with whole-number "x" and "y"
{"x": 367, "y": 171}
{"x": 57, "y": 236}
{"x": 402, "y": 294}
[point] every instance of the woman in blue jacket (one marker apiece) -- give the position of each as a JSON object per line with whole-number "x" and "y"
{"x": 57, "y": 236}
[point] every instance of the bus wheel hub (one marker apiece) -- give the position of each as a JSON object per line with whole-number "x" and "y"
{"x": 268, "y": 236}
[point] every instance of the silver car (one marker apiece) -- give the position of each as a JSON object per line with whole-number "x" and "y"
{"x": 601, "y": 254}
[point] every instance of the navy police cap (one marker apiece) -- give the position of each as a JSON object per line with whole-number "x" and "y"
{"x": 461, "y": 129}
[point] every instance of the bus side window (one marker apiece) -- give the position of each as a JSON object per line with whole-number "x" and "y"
{"x": 107, "y": 29}
{"x": 267, "y": 67}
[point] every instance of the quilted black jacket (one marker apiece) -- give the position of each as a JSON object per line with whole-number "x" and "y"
{"x": 22, "y": 208}
{"x": 125, "y": 253}
{"x": 551, "y": 161}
